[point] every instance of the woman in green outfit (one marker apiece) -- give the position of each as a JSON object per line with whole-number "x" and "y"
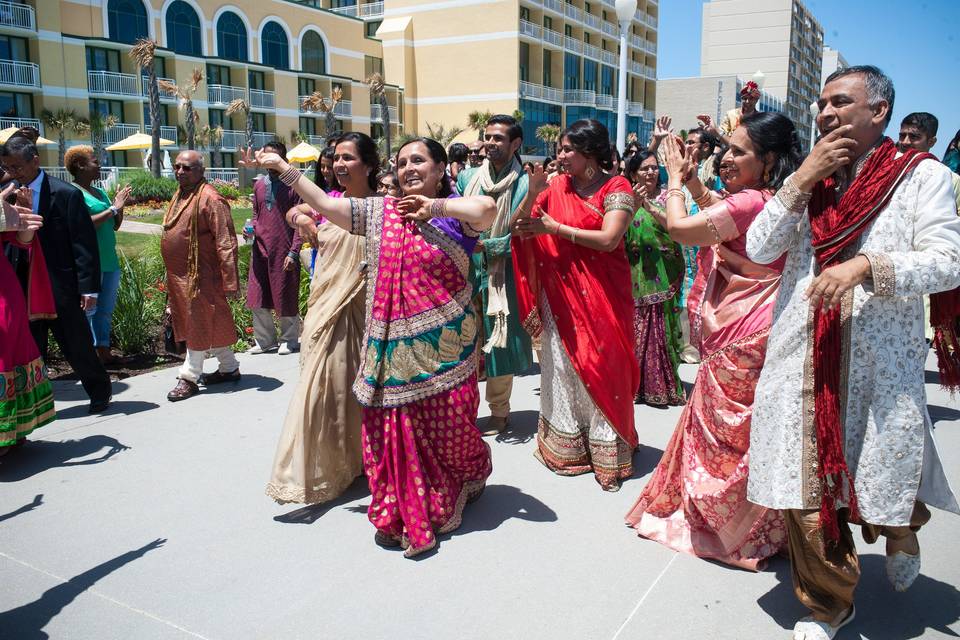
{"x": 83, "y": 165}
{"x": 657, "y": 267}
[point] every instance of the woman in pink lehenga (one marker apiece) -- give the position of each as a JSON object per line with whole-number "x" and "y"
{"x": 422, "y": 452}
{"x": 696, "y": 500}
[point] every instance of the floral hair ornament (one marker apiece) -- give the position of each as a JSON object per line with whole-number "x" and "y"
{"x": 750, "y": 90}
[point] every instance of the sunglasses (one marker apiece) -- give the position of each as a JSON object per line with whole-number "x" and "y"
{"x": 185, "y": 167}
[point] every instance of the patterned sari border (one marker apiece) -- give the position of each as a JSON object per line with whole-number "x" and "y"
{"x": 385, "y": 397}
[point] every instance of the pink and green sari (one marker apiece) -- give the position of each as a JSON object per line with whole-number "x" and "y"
{"x": 422, "y": 452}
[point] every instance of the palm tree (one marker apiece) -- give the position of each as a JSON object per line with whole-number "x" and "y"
{"x": 241, "y": 105}
{"x": 443, "y": 135}
{"x": 477, "y": 120}
{"x": 213, "y": 136}
{"x": 184, "y": 96}
{"x": 378, "y": 93}
{"x": 142, "y": 55}
{"x": 63, "y": 120}
{"x": 317, "y": 103}
{"x": 518, "y": 115}
{"x": 98, "y": 125}
{"x": 549, "y": 134}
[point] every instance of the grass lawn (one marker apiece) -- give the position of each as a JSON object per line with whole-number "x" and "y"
{"x": 133, "y": 244}
{"x": 239, "y": 214}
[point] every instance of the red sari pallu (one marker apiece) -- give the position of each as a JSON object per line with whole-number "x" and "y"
{"x": 588, "y": 296}
{"x": 834, "y": 227}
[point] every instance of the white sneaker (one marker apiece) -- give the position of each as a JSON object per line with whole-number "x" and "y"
{"x": 256, "y": 349}
{"x": 287, "y": 348}
{"x": 903, "y": 569}
{"x": 810, "y": 629}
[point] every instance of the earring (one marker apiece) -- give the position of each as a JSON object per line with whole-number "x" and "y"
{"x": 590, "y": 173}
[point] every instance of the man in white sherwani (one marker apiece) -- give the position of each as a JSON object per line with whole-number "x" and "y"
{"x": 840, "y": 430}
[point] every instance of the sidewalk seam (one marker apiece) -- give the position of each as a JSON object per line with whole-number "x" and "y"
{"x": 644, "y": 597}
{"x": 103, "y": 596}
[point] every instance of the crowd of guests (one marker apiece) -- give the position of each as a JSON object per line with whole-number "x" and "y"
{"x": 797, "y": 282}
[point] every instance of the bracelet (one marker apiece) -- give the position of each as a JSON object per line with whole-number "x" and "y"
{"x": 438, "y": 208}
{"x": 573, "y": 235}
{"x": 290, "y": 176}
{"x": 792, "y": 198}
{"x": 676, "y": 191}
{"x": 293, "y": 255}
{"x": 677, "y": 194}
{"x": 704, "y": 200}
{"x": 557, "y": 232}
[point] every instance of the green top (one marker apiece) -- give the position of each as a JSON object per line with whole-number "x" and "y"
{"x": 98, "y": 202}
{"x": 656, "y": 261}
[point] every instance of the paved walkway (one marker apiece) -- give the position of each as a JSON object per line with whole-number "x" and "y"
{"x": 150, "y": 522}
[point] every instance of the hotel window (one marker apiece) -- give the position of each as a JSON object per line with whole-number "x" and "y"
{"x": 255, "y": 80}
{"x": 126, "y": 20}
{"x": 525, "y": 14}
{"x": 547, "y": 68}
{"x": 275, "y": 49}
{"x": 306, "y": 86}
{"x": 12, "y": 48}
{"x": 218, "y": 118}
{"x": 106, "y": 108}
{"x": 308, "y": 126}
{"x": 259, "y": 122}
{"x": 232, "y": 37}
{"x": 606, "y": 80}
{"x": 103, "y": 59}
{"x": 571, "y": 71}
{"x": 548, "y": 22}
{"x": 372, "y": 27}
{"x": 313, "y": 53}
{"x": 568, "y": 30}
{"x": 372, "y": 65}
{"x": 16, "y": 105}
{"x": 218, "y": 74}
{"x": 183, "y": 29}
{"x": 589, "y": 75}
{"x": 524, "y": 62}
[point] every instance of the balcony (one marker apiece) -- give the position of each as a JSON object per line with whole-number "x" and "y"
{"x": 529, "y": 29}
{"x": 572, "y": 12}
{"x": 113, "y": 83}
{"x": 317, "y": 141}
{"x": 609, "y": 57}
{"x": 591, "y": 51}
{"x": 18, "y": 16}
{"x": 572, "y": 44}
{"x": 19, "y": 74}
{"x": 554, "y": 5}
{"x": 119, "y": 131}
{"x": 6, "y": 123}
{"x": 260, "y": 99}
{"x": 610, "y": 29}
{"x": 583, "y": 98}
{"x": 145, "y": 87}
{"x": 553, "y": 37}
{"x": 650, "y": 47}
{"x": 647, "y": 19}
{"x": 533, "y": 91}
{"x": 605, "y": 102}
{"x": 367, "y": 11}
{"x": 233, "y": 139}
{"x": 592, "y": 21}
{"x": 261, "y": 138}
{"x": 376, "y": 113}
{"x": 343, "y": 109}
{"x": 221, "y": 94}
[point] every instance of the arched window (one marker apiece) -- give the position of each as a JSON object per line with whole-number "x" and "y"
{"x": 275, "y": 50}
{"x": 183, "y": 29}
{"x": 313, "y": 53}
{"x": 127, "y": 20}
{"x": 231, "y": 37}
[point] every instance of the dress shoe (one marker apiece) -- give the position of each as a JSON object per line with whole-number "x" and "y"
{"x": 287, "y": 348}
{"x": 903, "y": 569}
{"x": 496, "y": 425}
{"x": 99, "y": 406}
{"x": 219, "y": 377}
{"x": 256, "y": 349}
{"x": 184, "y": 389}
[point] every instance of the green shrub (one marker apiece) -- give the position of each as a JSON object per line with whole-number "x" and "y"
{"x": 140, "y": 301}
{"x": 226, "y": 189}
{"x": 145, "y": 187}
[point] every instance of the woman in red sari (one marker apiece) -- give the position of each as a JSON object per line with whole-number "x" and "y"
{"x": 26, "y": 398}
{"x": 574, "y": 288}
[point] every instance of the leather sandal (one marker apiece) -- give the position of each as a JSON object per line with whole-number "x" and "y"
{"x": 219, "y": 377}
{"x": 184, "y": 389}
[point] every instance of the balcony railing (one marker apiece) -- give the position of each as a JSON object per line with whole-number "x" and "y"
{"x": 610, "y": 29}
{"x": 317, "y": 141}
{"x": 260, "y": 99}
{"x": 145, "y": 87}
{"x": 609, "y": 57}
{"x": 553, "y": 37}
{"x": 649, "y": 115}
{"x": 588, "y": 98}
{"x": 376, "y": 113}
{"x": 166, "y": 132}
{"x": 112, "y": 83}
{"x": 233, "y": 139}
{"x": 368, "y": 11}
{"x": 650, "y": 47}
{"x": 647, "y": 19}
{"x": 540, "y": 92}
{"x": 572, "y": 44}
{"x": 14, "y": 14}
{"x": 605, "y": 102}
{"x": 554, "y": 5}
{"x": 343, "y": 109}
{"x": 592, "y": 20}
{"x": 119, "y": 131}
{"x": 224, "y": 94}
{"x": 572, "y": 12}
{"x": 591, "y": 51}
{"x": 261, "y": 138}
{"x": 6, "y": 123}
{"x": 635, "y": 109}
{"x": 528, "y": 28}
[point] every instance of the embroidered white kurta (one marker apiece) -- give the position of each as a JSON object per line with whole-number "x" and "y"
{"x": 914, "y": 247}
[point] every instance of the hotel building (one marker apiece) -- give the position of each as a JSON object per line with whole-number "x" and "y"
{"x": 555, "y": 60}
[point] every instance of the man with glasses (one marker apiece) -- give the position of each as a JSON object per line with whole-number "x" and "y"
{"x": 199, "y": 249}
{"x": 476, "y": 154}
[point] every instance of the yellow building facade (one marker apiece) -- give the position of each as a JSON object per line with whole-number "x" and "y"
{"x": 554, "y": 60}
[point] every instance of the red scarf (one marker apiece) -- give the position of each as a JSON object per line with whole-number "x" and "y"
{"x": 836, "y": 226}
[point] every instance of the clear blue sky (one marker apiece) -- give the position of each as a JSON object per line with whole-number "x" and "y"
{"x": 917, "y": 43}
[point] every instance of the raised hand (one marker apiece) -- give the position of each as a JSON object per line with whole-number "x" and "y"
{"x": 640, "y": 195}
{"x": 538, "y": 179}
{"x": 24, "y": 197}
{"x": 123, "y": 197}
{"x": 248, "y": 158}
{"x": 833, "y": 151}
{"x": 677, "y": 164}
{"x": 662, "y": 128}
{"x": 415, "y": 207}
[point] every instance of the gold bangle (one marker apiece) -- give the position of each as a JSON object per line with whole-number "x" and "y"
{"x": 677, "y": 195}
{"x": 290, "y": 176}
{"x": 703, "y": 200}
{"x": 573, "y": 236}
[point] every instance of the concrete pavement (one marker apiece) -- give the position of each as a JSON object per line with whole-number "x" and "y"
{"x": 151, "y": 522}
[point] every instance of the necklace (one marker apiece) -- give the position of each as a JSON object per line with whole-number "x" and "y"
{"x": 582, "y": 190}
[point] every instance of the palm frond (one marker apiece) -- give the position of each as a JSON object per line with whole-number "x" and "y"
{"x": 239, "y": 105}
{"x": 336, "y": 95}
{"x": 377, "y": 86}
{"x": 195, "y": 79}
{"x": 314, "y": 102}
{"x": 143, "y": 53}
{"x": 169, "y": 88}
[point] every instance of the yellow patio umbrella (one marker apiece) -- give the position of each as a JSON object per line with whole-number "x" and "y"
{"x": 303, "y": 152}
{"x": 9, "y": 131}
{"x": 137, "y": 141}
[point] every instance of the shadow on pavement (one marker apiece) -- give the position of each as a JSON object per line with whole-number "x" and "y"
{"x": 931, "y": 377}
{"x": 27, "y": 622}
{"x": 36, "y": 456}
{"x": 72, "y": 391}
{"x": 37, "y": 501}
{"x": 941, "y": 414}
{"x": 498, "y": 504}
{"x": 312, "y": 513}
{"x": 247, "y": 381}
{"x": 521, "y": 429}
{"x": 645, "y": 460}
{"x": 124, "y": 407}
{"x": 881, "y": 611}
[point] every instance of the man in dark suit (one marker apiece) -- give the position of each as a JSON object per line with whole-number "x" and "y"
{"x": 69, "y": 243}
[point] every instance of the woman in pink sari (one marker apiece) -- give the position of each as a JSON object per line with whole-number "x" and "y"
{"x": 26, "y": 398}
{"x": 422, "y": 452}
{"x": 696, "y": 500}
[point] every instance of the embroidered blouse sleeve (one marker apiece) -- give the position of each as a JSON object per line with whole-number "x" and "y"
{"x": 358, "y": 215}
{"x": 934, "y": 263}
{"x": 619, "y": 197}
{"x": 776, "y": 229}
{"x": 731, "y": 218}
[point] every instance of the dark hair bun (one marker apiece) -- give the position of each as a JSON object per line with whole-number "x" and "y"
{"x": 592, "y": 139}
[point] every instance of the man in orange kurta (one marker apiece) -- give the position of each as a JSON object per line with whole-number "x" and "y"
{"x": 199, "y": 249}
